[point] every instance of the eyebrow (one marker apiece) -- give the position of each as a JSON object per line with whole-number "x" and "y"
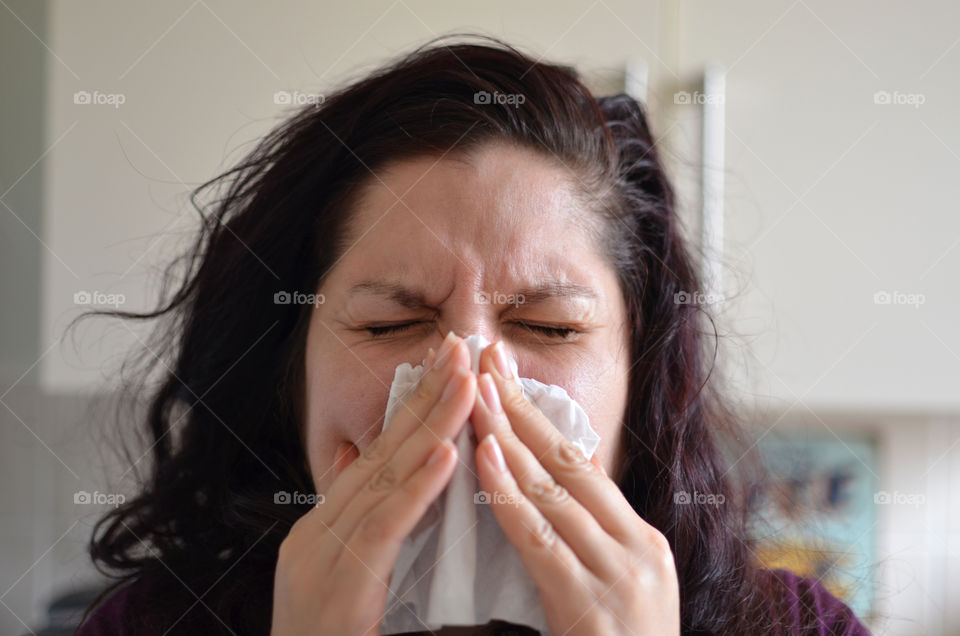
{"x": 412, "y": 298}
{"x": 405, "y": 296}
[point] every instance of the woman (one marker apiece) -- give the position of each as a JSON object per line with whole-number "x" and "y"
{"x": 408, "y": 210}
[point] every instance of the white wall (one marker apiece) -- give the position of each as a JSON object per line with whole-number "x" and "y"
{"x": 832, "y": 197}
{"x": 198, "y": 80}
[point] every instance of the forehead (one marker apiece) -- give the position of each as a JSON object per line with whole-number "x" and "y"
{"x": 499, "y": 205}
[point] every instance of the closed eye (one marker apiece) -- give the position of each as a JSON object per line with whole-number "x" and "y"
{"x": 553, "y": 332}
{"x": 385, "y": 330}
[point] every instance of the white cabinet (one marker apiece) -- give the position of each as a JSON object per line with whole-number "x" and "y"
{"x": 842, "y": 226}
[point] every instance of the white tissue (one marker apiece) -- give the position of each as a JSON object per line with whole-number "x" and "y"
{"x": 457, "y": 567}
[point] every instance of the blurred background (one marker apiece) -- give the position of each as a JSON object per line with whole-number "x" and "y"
{"x": 815, "y": 147}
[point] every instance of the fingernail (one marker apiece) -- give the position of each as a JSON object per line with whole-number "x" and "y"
{"x": 453, "y": 384}
{"x": 428, "y": 361}
{"x": 439, "y": 452}
{"x": 500, "y": 361}
{"x": 494, "y": 453}
{"x": 443, "y": 356}
{"x": 488, "y": 391}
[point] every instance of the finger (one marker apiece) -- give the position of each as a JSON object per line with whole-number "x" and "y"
{"x": 408, "y": 419}
{"x": 573, "y": 522}
{"x": 375, "y": 542}
{"x": 595, "y": 460}
{"x": 556, "y": 570}
{"x": 564, "y": 461}
{"x": 346, "y": 453}
{"x": 445, "y": 421}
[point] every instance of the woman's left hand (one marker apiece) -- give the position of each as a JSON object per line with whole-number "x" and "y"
{"x": 599, "y": 567}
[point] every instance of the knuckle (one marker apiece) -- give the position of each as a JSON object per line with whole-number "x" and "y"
{"x": 514, "y": 400}
{"x": 542, "y": 535}
{"x": 664, "y": 557}
{"x": 385, "y": 479}
{"x": 506, "y": 436}
{"x": 640, "y": 573}
{"x": 655, "y": 562}
{"x": 569, "y": 456}
{"x": 423, "y": 390}
{"x": 375, "y": 452}
{"x": 516, "y": 404}
{"x": 547, "y": 491}
{"x": 373, "y": 530}
{"x": 660, "y": 544}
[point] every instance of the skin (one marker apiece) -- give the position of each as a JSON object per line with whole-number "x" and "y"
{"x": 502, "y": 220}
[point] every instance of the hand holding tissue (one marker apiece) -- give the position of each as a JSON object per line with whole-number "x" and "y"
{"x": 457, "y": 567}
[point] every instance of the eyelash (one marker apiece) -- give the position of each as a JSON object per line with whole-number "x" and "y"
{"x": 554, "y": 332}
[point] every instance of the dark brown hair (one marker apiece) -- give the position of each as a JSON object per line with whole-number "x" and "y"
{"x": 223, "y": 424}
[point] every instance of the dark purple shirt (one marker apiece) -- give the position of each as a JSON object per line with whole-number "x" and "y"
{"x": 814, "y": 610}
{"x": 811, "y": 610}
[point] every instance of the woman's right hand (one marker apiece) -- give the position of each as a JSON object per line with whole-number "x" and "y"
{"x": 333, "y": 569}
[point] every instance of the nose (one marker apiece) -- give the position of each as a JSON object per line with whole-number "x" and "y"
{"x": 462, "y": 332}
{"x": 489, "y": 334}
{"x": 468, "y": 314}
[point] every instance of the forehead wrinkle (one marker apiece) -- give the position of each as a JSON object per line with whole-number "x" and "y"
{"x": 556, "y": 289}
{"x": 492, "y": 232}
{"x": 413, "y": 297}
{"x": 409, "y": 297}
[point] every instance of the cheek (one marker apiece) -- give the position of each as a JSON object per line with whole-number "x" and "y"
{"x": 345, "y": 402}
{"x": 604, "y": 400}
{"x": 598, "y": 383}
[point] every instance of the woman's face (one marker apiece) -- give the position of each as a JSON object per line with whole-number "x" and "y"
{"x": 432, "y": 239}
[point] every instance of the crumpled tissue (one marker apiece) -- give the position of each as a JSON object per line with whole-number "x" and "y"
{"x": 457, "y": 567}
